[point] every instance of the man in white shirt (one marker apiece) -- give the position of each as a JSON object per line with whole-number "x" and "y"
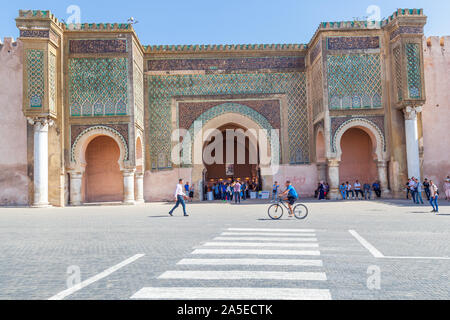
{"x": 180, "y": 196}
{"x": 358, "y": 190}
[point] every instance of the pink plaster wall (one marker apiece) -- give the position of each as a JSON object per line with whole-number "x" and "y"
{"x": 160, "y": 186}
{"x": 13, "y": 128}
{"x": 436, "y": 111}
{"x": 304, "y": 178}
{"x": 357, "y": 161}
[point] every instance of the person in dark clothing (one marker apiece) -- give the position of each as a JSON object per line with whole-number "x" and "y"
{"x": 408, "y": 191}
{"x": 377, "y": 189}
{"x": 426, "y": 186}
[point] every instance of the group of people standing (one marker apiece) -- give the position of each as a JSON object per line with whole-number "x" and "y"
{"x": 234, "y": 190}
{"x": 415, "y": 188}
{"x": 359, "y": 191}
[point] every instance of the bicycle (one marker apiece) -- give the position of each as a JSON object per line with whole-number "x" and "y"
{"x": 276, "y": 210}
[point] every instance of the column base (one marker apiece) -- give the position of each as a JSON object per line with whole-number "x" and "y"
{"x": 129, "y": 203}
{"x": 385, "y": 194}
{"x": 140, "y": 202}
{"x": 41, "y": 205}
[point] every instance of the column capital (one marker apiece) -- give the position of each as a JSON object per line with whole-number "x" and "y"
{"x": 333, "y": 162}
{"x": 411, "y": 112}
{"x": 127, "y": 172}
{"x": 381, "y": 164}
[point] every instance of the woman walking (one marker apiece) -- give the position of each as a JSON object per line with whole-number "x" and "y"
{"x": 434, "y": 197}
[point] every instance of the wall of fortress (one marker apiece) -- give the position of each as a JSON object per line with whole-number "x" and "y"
{"x": 436, "y": 111}
{"x": 13, "y": 127}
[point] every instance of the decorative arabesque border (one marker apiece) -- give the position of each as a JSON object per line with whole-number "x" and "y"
{"x": 86, "y": 131}
{"x": 359, "y": 120}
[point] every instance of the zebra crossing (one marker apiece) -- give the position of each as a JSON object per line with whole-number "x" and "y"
{"x": 253, "y": 258}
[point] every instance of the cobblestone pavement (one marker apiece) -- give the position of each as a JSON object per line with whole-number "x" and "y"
{"x": 315, "y": 258}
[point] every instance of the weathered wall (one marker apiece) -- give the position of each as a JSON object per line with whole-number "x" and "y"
{"x": 13, "y": 130}
{"x": 436, "y": 111}
{"x": 160, "y": 186}
{"x": 304, "y": 178}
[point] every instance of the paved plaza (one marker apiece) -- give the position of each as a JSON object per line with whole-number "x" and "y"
{"x": 344, "y": 250}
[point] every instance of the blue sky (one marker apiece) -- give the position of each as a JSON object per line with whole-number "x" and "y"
{"x": 226, "y": 21}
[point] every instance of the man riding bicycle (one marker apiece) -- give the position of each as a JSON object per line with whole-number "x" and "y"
{"x": 291, "y": 198}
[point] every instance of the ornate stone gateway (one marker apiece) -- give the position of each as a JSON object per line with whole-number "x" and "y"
{"x": 90, "y": 83}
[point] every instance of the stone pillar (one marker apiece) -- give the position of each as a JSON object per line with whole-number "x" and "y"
{"x": 383, "y": 177}
{"x": 76, "y": 179}
{"x": 412, "y": 141}
{"x": 40, "y": 161}
{"x": 139, "y": 180}
{"x": 333, "y": 178}
{"x": 322, "y": 171}
{"x": 128, "y": 186}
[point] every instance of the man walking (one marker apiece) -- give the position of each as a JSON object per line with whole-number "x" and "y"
{"x": 434, "y": 196}
{"x": 180, "y": 196}
{"x": 237, "y": 192}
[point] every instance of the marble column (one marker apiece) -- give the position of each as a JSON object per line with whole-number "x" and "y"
{"x": 333, "y": 178}
{"x": 322, "y": 171}
{"x": 76, "y": 179}
{"x": 40, "y": 161}
{"x": 412, "y": 141}
{"x": 128, "y": 186}
{"x": 139, "y": 180}
{"x": 383, "y": 177}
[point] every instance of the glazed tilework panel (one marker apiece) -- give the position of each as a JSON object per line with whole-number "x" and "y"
{"x": 274, "y": 63}
{"x": 52, "y": 81}
{"x": 98, "y": 86}
{"x": 163, "y": 88}
{"x": 35, "y": 33}
{"x": 353, "y": 43}
{"x": 406, "y": 30}
{"x": 191, "y": 111}
{"x": 354, "y": 81}
{"x": 138, "y": 85}
{"x": 414, "y": 70}
{"x": 35, "y": 77}
{"x": 98, "y": 46}
{"x": 398, "y": 73}
{"x": 317, "y": 89}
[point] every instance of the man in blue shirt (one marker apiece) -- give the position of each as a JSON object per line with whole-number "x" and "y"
{"x": 291, "y": 198}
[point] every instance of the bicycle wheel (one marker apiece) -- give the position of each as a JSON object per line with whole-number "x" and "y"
{"x": 300, "y": 211}
{"x": 275, "y": 212}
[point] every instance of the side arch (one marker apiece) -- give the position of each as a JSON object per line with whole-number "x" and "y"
{"x": 78, "y": 150}
{"x": 374, "y": 132}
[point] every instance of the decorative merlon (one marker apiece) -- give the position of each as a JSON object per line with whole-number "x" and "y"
{"x": 220, "y": 48}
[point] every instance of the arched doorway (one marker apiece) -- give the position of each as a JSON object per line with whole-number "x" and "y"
{"x": 244, "y": 166}
{"x": 358, "y": 157}
{"x": 103, "y": 178}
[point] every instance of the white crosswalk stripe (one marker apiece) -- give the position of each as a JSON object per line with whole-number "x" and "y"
{"x": 274, "y": 234}
{"x": 260, "y": 252}
{"x": 272, "y": 230}
{"x": 261, "y": 245}
{"x": 196, "y": 293}
{"x": 238, "y": 275}
{"x": 252, "y": 262}
{"x": 240, "y": 251}
{"x": 272, "y": 239}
